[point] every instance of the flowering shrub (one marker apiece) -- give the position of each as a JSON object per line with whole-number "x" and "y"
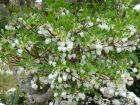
{"x": 67, "y": 53}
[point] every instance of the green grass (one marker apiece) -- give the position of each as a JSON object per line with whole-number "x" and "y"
{"x": 7, "y": 82}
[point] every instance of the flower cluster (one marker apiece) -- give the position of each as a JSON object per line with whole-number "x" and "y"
{"x": 76, "y": 56}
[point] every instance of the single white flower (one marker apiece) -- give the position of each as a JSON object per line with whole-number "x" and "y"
{"x": 119, "y": 49}
{"x": 73, "y": 55}
{"x": 69, "y": 77}
{"x": 68, "y": 70}
{"x": 51, "y": 76}
{"x": 82, "y": 71}
{"x": 81, "y": 34}
{"x": 50, "y": 62}
{"x": 2, "y": 72}
{"x": 51, "y": 103}
{"x": 34, "y": 86}
{"x": 124, "y": 39}
{"x": 69, "y": 45}
{"x": 122, "y": 93}
{"x": 69, "y": 56}
{"x": 116, "y": 102}
{"x": 20, "y": 51}
{"x": 83, "y": 57}
{"x": 12, "y": 90}
{"x": 72, "y": 38}
{"x": 20, "y": 19}
{"x": 67, "y": 12}
{"x": 134, "y": 69}
{"x": 52, "y": 86}
{"x": 111, "y": 91}
{"x": 64, "y": 49}
{"x": 55, "y": 94}
{"x": 73, "y": 78}
{"x": 21, "y": 69}
{"x": 60, "y": 48}
{"x": 59, "y": 79}
{"x": 47, "y": 41}
{"x": 9, "y": 27}
{"x": 6, "y": 27}
{"x": 118, "y": 72}
{"x": 64, "y": 77}
{"x": 102, "y": 89}
{"x": 39, "y": 32}
{"x": 107, "y": 49}
{"x": 130, "y": 49}
{"x": 2, "y": 104}
{"x": 138, "y": 40}
{"x": 137, "y": 100}
{"x": 64, "y": 94}
{"x": 9, "y": 72}
{"x": 38, "y": 1}
{"x": 130, "y": 81}
{"x": 62, "y": 44}
{"x": 62, "y": 14}
{"x": 116, "y": 94}
{"x": 81, "y": 95}
{"x": 64, "y": 55}
{"x": 132, "y": 29}
{"x": 79, "y": 83}
{"x": 54, "y": 64}
{"x": 90, "y": 24}
{"x": 29, "y": 48}
{"x": 98, "y": 52}
{"x": 137, "y": 7}
{"x": 16, "y": 41}
{"x": 87, "y": 85}
{"x": 98, "y": 46}
{"x": 98, "y": 20}
{"x": 134, "y": 48}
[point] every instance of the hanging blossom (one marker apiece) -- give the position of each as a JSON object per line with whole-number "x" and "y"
{"x": 65, "y": 46}
{"x": 45, "y": 30}
{"x": 9, "y": 27}
{"x": 137, "y": 7}
{"x": 102, "y": 24}
{"x": 64, "y": 12}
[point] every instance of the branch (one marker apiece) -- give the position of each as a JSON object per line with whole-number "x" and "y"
{"x": 30, "y": 53}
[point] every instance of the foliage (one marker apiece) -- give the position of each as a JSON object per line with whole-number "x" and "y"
{"x": 66, "y": 47}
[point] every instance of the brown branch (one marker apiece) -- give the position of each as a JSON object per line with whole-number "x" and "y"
{"x": 30, "y": 53}
{"x": 36, "y": 51}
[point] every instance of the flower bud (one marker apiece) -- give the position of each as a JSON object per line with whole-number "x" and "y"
{"x": 59, "y": 79}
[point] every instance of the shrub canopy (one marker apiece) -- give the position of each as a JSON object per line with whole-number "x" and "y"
{"x": 72, "y": 48}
